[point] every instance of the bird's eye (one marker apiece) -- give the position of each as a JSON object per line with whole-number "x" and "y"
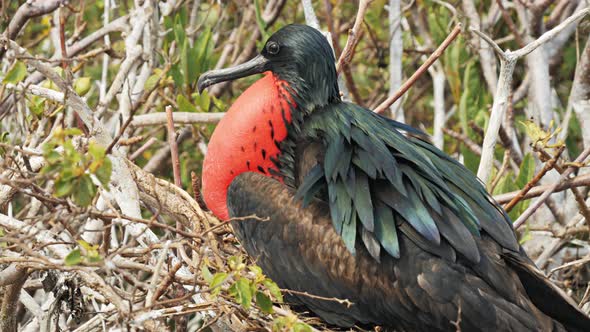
{"x": 273, "y": 48}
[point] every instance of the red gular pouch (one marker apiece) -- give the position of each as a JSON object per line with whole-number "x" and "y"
{"x": 246, "y": 140}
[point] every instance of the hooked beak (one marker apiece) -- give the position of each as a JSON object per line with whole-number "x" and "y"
{"x": 257, "y": 65}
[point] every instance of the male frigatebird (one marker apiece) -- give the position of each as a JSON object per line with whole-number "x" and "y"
{"x": 357, "y": 210}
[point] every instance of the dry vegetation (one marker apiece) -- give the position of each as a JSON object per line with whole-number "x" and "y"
{"x": 97, "y": 231}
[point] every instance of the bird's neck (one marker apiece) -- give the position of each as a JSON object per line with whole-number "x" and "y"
{"x": 247, "y": 139}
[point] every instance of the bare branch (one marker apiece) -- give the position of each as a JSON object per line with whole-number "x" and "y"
{"x": 423, "y": 68}
{"x": 507, "y": 64}
{"x": 26, "y": 11}
{"x": 180, "y": 118}
{"x": 564, "y": 176}
{"x": 353, "y": 36}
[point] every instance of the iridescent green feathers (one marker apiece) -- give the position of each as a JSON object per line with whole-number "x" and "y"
{"x": 378, "y": 181}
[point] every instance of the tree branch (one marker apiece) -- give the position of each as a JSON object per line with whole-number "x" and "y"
{"x": 423, "y": 68}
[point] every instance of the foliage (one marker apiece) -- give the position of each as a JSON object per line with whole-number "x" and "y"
{"x": 74, "y": 171}
{"x": 245, "y": 284}
{"x": 86, "y": 253}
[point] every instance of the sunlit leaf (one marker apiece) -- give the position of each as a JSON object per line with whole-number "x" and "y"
{"x": 184, "y": 105}
{"x": 218, "y": 279}
{"x": 103, "y": 173}
{"x": 301, "y": 327}
{"x": 82, "y": 85}
{"x": 16, "y": 74}
{"x": 206, "y": 274}
{"x": 151, "y": 82}
{"x": 264, "y": 302}
{"x": 73, "y": 258}
{"x": 274, "y": 289}
{"x": 244, "y": 292}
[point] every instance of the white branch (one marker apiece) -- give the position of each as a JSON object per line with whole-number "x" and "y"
{"x": 487, "y": 61}
{"x": 547, "y": 36}
{"x": 396, "y": 49}
{"x": 180, "y": 118}
{"x": 438, "y": 86}
{"x": 310, "y": 18}
{"x": 507, "y": 64}
{"x": 39, "y": 91}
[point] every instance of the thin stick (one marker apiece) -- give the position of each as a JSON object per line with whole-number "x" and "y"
{"x": 353, "y": 36}
{"x": 580, "y": 199}
{"x": 578, "y": 181}
{"x": 549, "y": 165}
{"x": 502, "y": 170}
{"x": 533, "y": 207}
{"x": 433, "y": 57}
{"x": 144, "y": 147}
{"x": 508, "y": 61}
{"x": 62, "y": 38}
{"x": 173, "y": 147}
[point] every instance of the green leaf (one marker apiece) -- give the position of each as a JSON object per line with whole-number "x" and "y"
{"x": 202, "y": 47}
{"x": 151, "y": 82}
{"x": 63, "y": 188}
{"x": 72, "y": 132}
{"x": 2, "y": 234}
{"x": 185, "y": 60}
{"x": 204, "y": 101}
{"x": 103, "y": 173}
{"x": 264, "y": 302}
{"x": 82, "y": 85}
{"x": 73, "y": 258}
{"x": 207, "y": 275}
{"x": 84, "y": 191}
{"x": 179, "y": 33}
{"x": 527, "y": 171}
{"x": 256, "y": 270}
{"x": 506, "y": 184}
{"x": 96, "y": 151}
{"x": 464, "y": 99}
{"x": 94, "y": 258}
{"x": 193, "y": 65}
{"x": 177, "y": 75}
{"x": 17, "y": 73}
{"x": 279, "y": 324}
{"x": 301, "y": 327}
{"x": 218, "y": 279}
{"x": 259, "y": 21}
{"x": 244, "y": 296}
{"x": 87, "y": 246}
{"x": 52, "y": 156}
{"x": 235, "y": 263}
{"x": 37, "y": 105}
{"x": 470, "y": 159}
{"x": 184, "y": 105}
{"x": 526, "y": 236}
{"x": 274, "y": 289}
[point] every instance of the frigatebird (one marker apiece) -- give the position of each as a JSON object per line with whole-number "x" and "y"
{"x": 364, "y": 208}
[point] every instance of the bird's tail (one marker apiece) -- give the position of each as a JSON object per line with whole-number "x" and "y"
{"x": 550, "y": 299}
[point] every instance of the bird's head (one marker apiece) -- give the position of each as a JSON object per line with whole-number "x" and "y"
{"x": 297, "y": 54}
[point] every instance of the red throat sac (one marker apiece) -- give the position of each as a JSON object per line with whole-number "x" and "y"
{"x": 246, "y": 140}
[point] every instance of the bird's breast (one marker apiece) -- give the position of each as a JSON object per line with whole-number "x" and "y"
{"x": 246, "y": 140}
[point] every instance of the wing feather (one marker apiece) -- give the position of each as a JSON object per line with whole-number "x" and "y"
{"x": 379, "y": 182}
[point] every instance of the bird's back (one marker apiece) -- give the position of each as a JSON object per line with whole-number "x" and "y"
{"x": 395, "y": 270}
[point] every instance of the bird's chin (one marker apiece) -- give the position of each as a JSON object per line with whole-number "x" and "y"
{"x": 256, "y": 65}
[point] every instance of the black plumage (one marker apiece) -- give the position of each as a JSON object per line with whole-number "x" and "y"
{"x": 371, "y": 212}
